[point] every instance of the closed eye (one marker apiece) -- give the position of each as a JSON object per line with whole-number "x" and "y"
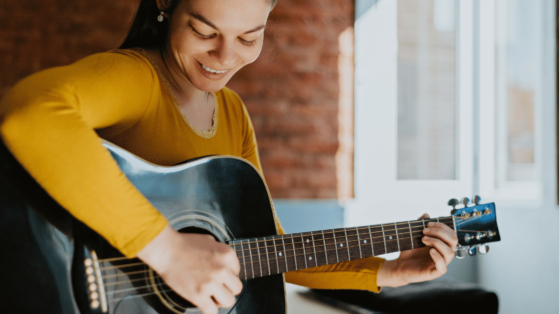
{"x": 247, "y": 42}
{"x": 200, "y": 35}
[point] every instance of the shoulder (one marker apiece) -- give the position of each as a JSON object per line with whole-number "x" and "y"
{"x": 121, "y": 62}
{"x": 229, "y": 96}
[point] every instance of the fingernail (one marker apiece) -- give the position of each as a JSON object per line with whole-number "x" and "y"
{"x": 426, "y": 230}
{"x": 426, "y": 238}
{"x": 431, "y": 224}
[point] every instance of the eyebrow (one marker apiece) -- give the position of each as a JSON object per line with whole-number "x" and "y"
{"x": 212, "y": 25}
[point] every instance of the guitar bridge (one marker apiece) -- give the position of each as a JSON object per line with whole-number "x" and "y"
{"x": 96, "y": 288}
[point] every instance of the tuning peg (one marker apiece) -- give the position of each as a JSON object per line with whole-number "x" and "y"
{"x": 453, "y": 202}
{"x": 460, "y": 254}
{"x": 483, "y": 249}
{"x": 472, "y": 251}
{"x": 476, "y": 199}
{"x": 465, "y": 201}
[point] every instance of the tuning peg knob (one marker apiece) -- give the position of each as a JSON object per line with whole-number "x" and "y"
{"x": 483, "y": 249}
{"x": 453, "y": 202}
{"x": 460, "y": 254}
{"x": 465, "y": 201}
{"x": 472, "y": 251}
{"x": 476, "y": 199}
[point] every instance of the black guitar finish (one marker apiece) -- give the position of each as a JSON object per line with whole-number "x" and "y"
{"x": 223, "y": 196}
{"x": 52, "y": 263}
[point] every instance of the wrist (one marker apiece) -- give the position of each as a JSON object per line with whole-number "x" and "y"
{"x": 389, "y": 276}
{"x": 155, "y": 253}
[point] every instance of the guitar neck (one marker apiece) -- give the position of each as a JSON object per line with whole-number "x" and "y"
{"x": 282, "y": 253}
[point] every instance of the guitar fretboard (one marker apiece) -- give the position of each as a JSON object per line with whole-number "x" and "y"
{"x": 282, "y": 253}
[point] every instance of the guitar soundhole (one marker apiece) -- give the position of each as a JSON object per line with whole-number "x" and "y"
{"x": 172, "y": 299}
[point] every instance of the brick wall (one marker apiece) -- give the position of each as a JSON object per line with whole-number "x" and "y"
{"x": 294, "y": 97}
{"x": 299, "y": 92}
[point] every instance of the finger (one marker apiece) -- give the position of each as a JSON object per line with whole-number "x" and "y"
{"x": 206, "y": 305}
{"x": 443, "y": 232}
{"x": 232, "y": 260}
{"x": 233, "y": 283}
{"x": 439, "y": 262}
{"x": 424, "y": 216}
{"x": 222, "y": 296}
{"x": 446, "y": 252}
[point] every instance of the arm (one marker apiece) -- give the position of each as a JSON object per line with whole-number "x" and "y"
{"x": 48, "y": 122}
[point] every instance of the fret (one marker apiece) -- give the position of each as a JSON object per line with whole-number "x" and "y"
{"x": 384, "y": 239}
{"x": 314, "y": 249}
{"x": 294, "y": 253}
{"x": 267, "y": 256}
{"x": 276, "y": 252}
{"x": 250, "y": 252}
{"x": 359, "y": 242}
{"x": 244, "y": 262}
{"x": 347, "y": 245}
{"x": 335, "y": 245}
{"x": 284, "y": 252}
{"x": 304, "y": 253}
{"x": 372, "y": 247}
{"x": 423, "y": 223}
{"x": 325, "y": 248}
{"x": 417, "y": 238}
{"x": 411, "y": 235}
{"x": 397, "y": 237}
{"x": 259, "y": 258}
{"x": 437, "y": 219}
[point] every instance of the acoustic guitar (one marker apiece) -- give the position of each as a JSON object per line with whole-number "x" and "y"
{"x": 52, "y": 263}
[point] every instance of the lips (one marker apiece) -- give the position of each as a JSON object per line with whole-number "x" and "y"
{"x": 214, "y": 75}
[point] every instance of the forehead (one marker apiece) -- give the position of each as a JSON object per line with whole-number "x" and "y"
{"x": 229, "y": 15}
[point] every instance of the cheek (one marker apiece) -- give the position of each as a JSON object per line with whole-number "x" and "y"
{"x": 250, "y": 54}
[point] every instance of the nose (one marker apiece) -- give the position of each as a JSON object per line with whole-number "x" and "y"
{"x": 225, "y": 53}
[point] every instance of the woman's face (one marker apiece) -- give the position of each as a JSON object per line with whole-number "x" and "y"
{"x": 212, "y": 39}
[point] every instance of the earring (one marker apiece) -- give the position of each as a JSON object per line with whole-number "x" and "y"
{"x": 160, "y": 17}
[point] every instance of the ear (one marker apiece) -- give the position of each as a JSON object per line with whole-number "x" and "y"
{"x": 163, "y": 5}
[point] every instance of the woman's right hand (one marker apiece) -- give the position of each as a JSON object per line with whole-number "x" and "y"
{"x": 197, "y": 267}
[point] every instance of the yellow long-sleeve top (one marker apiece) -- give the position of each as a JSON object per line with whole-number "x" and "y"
{"x": 52, "y": 122}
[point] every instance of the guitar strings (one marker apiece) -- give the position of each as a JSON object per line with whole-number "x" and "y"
{"x": 358, "y": 228}
{"x": 274, "y": 247}
{"x": 269, "y": 259}
{"x": 405, "y": 230}
{"x": 265, "y": 242}
{"x": 464, "y": 220}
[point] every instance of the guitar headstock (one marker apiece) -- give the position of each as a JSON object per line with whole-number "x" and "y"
{"x": 475, "y": 225}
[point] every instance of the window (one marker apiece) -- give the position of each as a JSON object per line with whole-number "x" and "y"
{"x": 448, "y": 103}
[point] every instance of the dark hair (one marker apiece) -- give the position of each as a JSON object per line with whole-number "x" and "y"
{"x": 146, "y": 31}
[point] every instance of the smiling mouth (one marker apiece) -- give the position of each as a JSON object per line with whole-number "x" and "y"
{"x": 212, "y": 70}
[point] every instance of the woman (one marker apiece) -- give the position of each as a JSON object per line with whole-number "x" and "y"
{"x": 162, "y": 96}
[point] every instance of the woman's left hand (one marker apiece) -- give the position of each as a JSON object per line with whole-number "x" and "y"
{"x": 421, "y": 264}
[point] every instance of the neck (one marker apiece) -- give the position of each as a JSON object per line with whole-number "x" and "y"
{"x": 187, "y": 94}
{"x": 278, "y": 254}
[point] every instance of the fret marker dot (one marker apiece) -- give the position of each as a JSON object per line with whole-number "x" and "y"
{"x": 307, "y": 240}
{"x": 341, "y": 244}
{"x": 364, "y": 241}
{"x": 390, "y": 237}
{"x": 279, "y": 253}
{"x": 310, "y": 258}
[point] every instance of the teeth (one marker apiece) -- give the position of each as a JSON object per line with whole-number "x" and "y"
{"x": 212, "y": 70}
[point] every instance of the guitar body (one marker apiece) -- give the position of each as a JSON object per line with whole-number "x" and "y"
{"x": 43, "y": 257}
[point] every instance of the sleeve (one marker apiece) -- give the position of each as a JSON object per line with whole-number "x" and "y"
{"x": 49, "y": 121}
{"x": 353, "y": 275}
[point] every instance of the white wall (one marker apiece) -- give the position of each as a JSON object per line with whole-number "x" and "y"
{"x": 524, "y": 267}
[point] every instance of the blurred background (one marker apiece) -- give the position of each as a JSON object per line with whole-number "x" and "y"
{"x": 372, "y": 111}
